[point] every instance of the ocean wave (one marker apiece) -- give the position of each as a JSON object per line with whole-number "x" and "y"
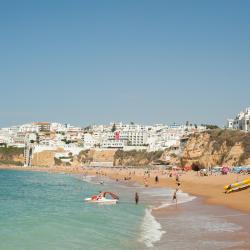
{"x": 182, "y": 198}
{"x": 151, "y": 229}
{"x": 88, "y": 178}
{"x": 92, "y": 179}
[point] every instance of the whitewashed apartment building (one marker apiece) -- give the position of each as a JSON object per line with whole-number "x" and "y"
{"x": 241, "y": 121}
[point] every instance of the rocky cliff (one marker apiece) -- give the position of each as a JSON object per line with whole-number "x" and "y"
{"x": 11, "y": 156}
{"x": 88, "y": 156}
{"x": 209, "y": 148}
{"x": 217, "y": 147}
{"x": 136, "y": 158}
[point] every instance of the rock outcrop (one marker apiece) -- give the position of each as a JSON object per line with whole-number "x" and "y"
{"x": 98, "y": 156}
{"x": 45, "y": 158}
{"x": 170, "y": 157}
{"x": 11, "y": 156}
{"x": 136, "y": 158}
{"x": 217, "y": 147}
{"x": 209, "y": 148}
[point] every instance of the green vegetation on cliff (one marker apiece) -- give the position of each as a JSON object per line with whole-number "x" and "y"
{"x": 217, "y": 147}
{"x": 11, "y": 156}
{"x": 230, "y": 138}
{"x": 136, "y": 158}
{"x": 85, "y": 157}
{"x": 210, "y": 126}
{"x": 10, "y": 151}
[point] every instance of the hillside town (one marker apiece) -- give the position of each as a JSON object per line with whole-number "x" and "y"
{"x": 37, "y": 137}
{"x": 48, "y": 136}
{"x": 43, "y": 136}
{"x": 115, "y": 135}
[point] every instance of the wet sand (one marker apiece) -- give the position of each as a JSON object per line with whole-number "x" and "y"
{"x": 208, "y": 222}
{"x": 196, "y": 225}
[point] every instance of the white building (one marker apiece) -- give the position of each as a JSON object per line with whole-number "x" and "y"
{"x": 230, "y": 123}
{"x": 241, "y": 121}
{"x": 127, "y": 127}
{"x": 29, "y": 128}
{"x": 129, "y": 137}
{"x": 57, "y": 127}
{"x": 89, "y": 141}
{"x": 5, "y": 136}
{"x": 113, "y": 144}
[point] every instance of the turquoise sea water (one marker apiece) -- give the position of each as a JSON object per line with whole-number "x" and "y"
{"x": 40, "y": 210}
{"x": 46, "y": 211}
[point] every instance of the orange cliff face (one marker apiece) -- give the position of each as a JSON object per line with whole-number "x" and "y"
{"x": 44, "y": 158}
{"x": 47, "y": 157}
{"x": 217, "y": 147}
{"x": 207, "y": 149}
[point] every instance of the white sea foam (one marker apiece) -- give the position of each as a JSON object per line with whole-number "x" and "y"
{"x": 164, "y": 197}
{"x": 88, "y": 178}
{"x": 151, "y": 229}
{"x": 92, "y": 179}
{"x": 214, "y": 226}
{"x": 182, "y": 198}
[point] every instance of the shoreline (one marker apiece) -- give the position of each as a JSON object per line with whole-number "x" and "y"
{"x": 227, "y": 224}
{"x": 210, "y": 188}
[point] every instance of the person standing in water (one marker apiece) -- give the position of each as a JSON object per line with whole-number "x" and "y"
{"x": 175, "y": 196}
{"x": 175, "y": 193}
{"x": 136, "y": 198}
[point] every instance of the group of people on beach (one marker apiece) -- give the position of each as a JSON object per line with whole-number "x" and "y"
{"x": 146, "y": 178}
{"x": 156, "y": 181}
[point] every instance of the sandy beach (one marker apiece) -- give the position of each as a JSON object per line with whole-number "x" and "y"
{"x": 208, "y": 187}
{"x": 212, "y": 218}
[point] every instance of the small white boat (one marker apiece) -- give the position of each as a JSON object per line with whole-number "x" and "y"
{"x": 101, "y": 198}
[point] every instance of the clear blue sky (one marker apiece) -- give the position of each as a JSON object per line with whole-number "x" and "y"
{"x": 87, "y": 62}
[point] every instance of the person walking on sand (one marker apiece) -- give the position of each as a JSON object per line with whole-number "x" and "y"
{"x": 136, "y": 198}
{"x": 177, "y": 178}
{"x": 156, "y": 179}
